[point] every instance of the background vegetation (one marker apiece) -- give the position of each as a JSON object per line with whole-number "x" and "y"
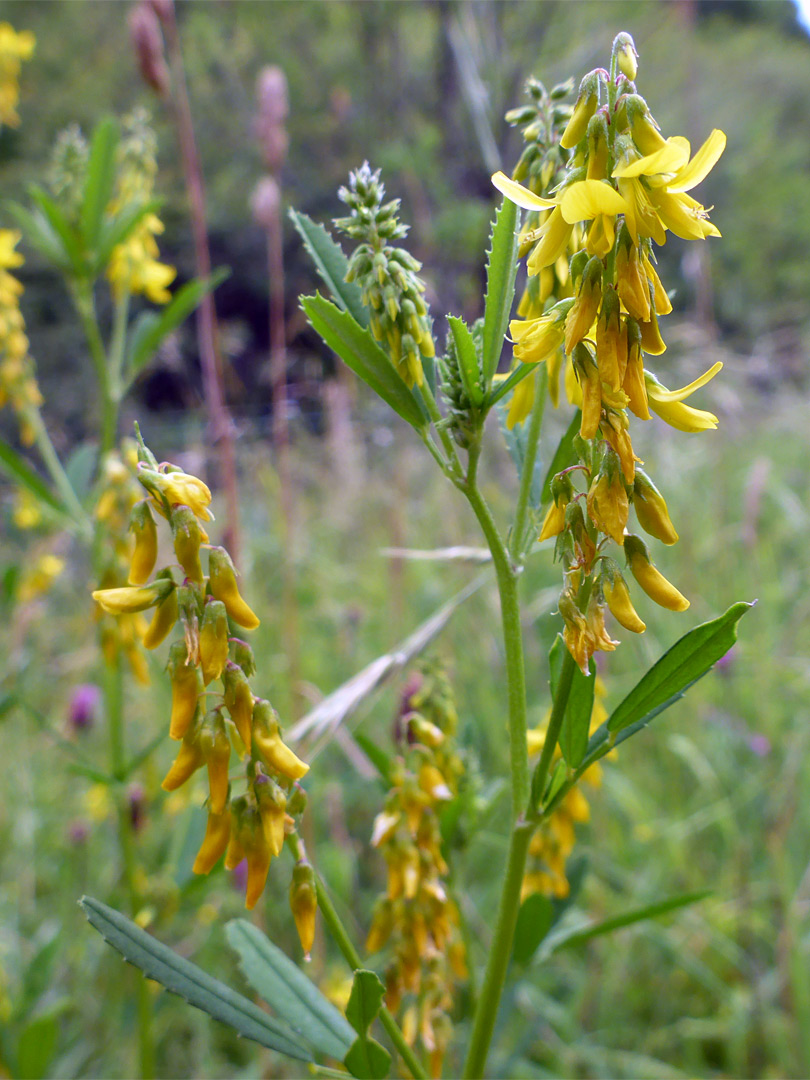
{"x": 715, "y": 802}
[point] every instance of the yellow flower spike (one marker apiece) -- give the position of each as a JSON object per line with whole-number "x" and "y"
{"x": 187, "y": 540}
{"x": 267, "y": 738}
{"x": 652, "y": 581}
{"x": 186, "y": 689}
{"x": 272, "y": 803}
{"x": 222, "y": 582}
{"x": 239, "y": 701}
{"x": 163, "y": 619}
{"x": 304, "y": 904}
{"x": 130, "y": 598}
{"x": 608, "y": 504}
{"x": 213, "y": 640}
{"x": 215, "y": 842}
{"x": 668, "y": 404}
{"x": 215, "y": 747}
{"x": 617, "y": 596}
{"x": 651, "y": 510}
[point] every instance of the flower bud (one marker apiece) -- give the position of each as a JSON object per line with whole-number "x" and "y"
{"x": 243, "y": 657}
{"x": 598, "y": 147}
{"x": 144, "y": 555}
{"x": 624, "y": 50}
{"x": 186, "y": 689}
{"x": 215, "y": 747}
{"x": 651, "y": 509}
{"x": 268, "y": 741}
{"x": 631, "y": 278}
{"x": 189, "y": 758}
{"x": 586, "y": 105}
{"x": 618, "y": 600}
{"x": 608, "y": 340}
{"x": 130, "y": 598}
{"x": 644, "y": 129}
{"x": 654, "y": 584}
{"x": 222, "y": 582}
{"x": 633, "y": 383}
{"x": 215, "y": 841}
{"x": 591, "y": 385}
{"x": 248, "y": 841}
{"x": 304, "y": 904}
{"x": 177, "y": 487}
{"x": 213, "y": 640}
{"x": 583, "y": 312}
{"x": 239, "y": 701}
{"x": 651, "y": 339}
{"x": 272, "y": 803}
{"x": 608, "y": 505}
{"x": 187, "y": 540}
{"x": 163, "y": 619}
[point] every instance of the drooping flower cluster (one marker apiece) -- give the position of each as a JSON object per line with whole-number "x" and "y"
{"x": 417, "y": 916}
{"x": 134, "y": 265}
{"x": 18, "y": 382}
{"x": 624, "y": 187}
{"x": 210, "y": 723}
{"x": 387, "y": 275}
{"x": 555, "y": 836}
{"x": 15, "y": 46}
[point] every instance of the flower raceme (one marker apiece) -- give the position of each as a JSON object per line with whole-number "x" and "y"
{"x": 619, "y": 188}
{"x": 214, "y": 711}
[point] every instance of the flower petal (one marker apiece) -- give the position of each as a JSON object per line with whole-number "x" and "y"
{"x": 669, "y": 159}
{"x": 700, "y": 165}
{"x": 659, "y": 392}
{"x": 587, "y": 198}
{"x": 520, "y": 195}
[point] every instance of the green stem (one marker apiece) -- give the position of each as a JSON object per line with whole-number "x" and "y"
{"x": 86, "y": 308}
{"x": 438, "y": 422}
{"x": 113, "y": 698}
{"x": 352, "y": 958}
{"x": 554, "y": 726}
{"x": 57, "y": 472}
{"x": 118, "y": 347}
{"x": 527, "y": 475}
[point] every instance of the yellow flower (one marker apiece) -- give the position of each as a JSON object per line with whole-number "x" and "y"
{"x": 668, "y": 404}
{"x": 132, "y": 598}
{"x": 14, "y": 47}
{"x": 134, "y": 265}
{"x": 537, "y": 339}
{"x": 661, "y": 202}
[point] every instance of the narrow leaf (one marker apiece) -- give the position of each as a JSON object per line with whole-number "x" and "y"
{"x": 533, "y": 923}
{"x": 467, "y": 359}
{"x": 118, "y": 229}
{"x": 39, "y": 233}
{"x": 501, "y": 271}
{"x": 502, "y": 388}
{"x": 563, "y": 455}
{"x": 358, "y": 349}
{"x": 152, "y": 328}
{"x": 378, "y": 757}
{"x": 288, "y": 991}
{"x": 69, "y": 241}
{"x": 557, "y": 779}
{"x": 331, "y": 264}
{"x": 157, "y": 961}
{"x": 678, "y": 669}
{"x": 577, "y": 720}
{"x": 18, "y": 469}
{"x": 98, "y": 186}
{"x": 578, "y": 935}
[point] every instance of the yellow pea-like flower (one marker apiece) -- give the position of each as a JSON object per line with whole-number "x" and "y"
{"x": 269, "y": 743}
{"x": 213, "y": 640}
{"x": 215, "y": 842}
{"x": 304, "y": 903}
{"x": 163, "y": 619}
{"x": 621, "y": 608}
{"x": 186, "y": 689}
{"x": 215, "y": 748}
{"x": 222, "y": 582}
{"x": 239, "y": 701}
{"x": 131, "y": 598}
{"x": 189, "y": 759}
{"x": 651, "y": 510}
{"x": 652, "y": 581}
{"x": 144, "y": 555}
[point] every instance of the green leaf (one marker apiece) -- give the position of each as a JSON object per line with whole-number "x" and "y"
{"x": 288, "y": 991}
{"x": 501, "y": 271}
{"x": 533, "y": 923}
{"x": 18, "y": 469}
{"x": 80, "y": 467}
{"x": 501, "y": 389}
{"x": 378, "y": 758}
{"x": 577, "y": 936}
{"x": 563, "y": 455}
{"x": 40, "y": 234}
{"x": 366, "y": 1058}
{"x": 157, "y": 961}
{"x": 118, "y": 228}
{"x": 331, "y": 264}
{"x": 678, "y": 669}
{"x": 577, "y": 720}
{"x": 151, "y": 328}
{"x": 557, "y": 779}
{"x": 358, "y": 349}
{"x": 516, "y": 441}
{"x": 68, "y": 239}
{"x": 467, "y": 359}
{"x": 100, "y": 179}
{"x": 36, "y": 1047}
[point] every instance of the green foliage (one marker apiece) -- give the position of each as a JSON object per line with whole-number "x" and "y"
{"x": 366, "y": 1058}
{"x": 501, "y": 272}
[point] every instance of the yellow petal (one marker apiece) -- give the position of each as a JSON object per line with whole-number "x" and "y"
{"x": 684, "y": 417}
{"x": 671, "y": 157}
{"x": 701, "y": 164}
{"x": 587, "y": 198}
{"x": 658, "y": 392}
{"x": 520, "y": 195}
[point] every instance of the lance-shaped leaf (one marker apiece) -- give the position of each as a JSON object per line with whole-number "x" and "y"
{"x": 467, "y": 359}
{"x": 665, "y": 683}
{"x": 533, "y": 923}
{"x": 178, "y": 975}
{"x": 563, "y": 455}
{"x": 358, "y": 349}
{"x": 151, "y": 328}
{"x": 331, "y": 264}
{"x": 100, "y": 179}
{"x": 39, "y": 233}
{"x": 118, "y": 229}
{"x": 20, "y": 471}
{"x": 501, "y": 271}
{"x": 576, "y": 722}
{"x": 321, "y": 722}
{"x": 69, "y": 241}
{"x": 288, "y": 991}
{"x": 366, "y": 1058}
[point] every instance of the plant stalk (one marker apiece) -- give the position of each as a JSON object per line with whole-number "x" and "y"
{"x": 527, "y": 475}
{"x": 57, "y": 472}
